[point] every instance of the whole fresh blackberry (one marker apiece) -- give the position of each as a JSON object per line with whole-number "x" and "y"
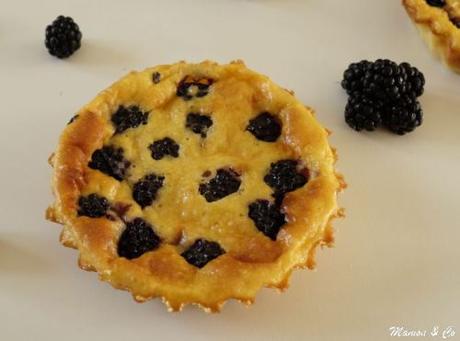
{"x": 363, "y": 113}
{"x": 63, "y": 37}
{"x": 354, "y": 75}
{"x": 403, "y": 116}
{"x": 383, "y": 92}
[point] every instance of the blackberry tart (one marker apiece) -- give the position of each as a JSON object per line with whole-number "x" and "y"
{"x": 196, "y": 183}
{"x": 439, "y": 23}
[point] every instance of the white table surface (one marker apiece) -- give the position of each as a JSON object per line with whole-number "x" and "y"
{"x": 396, "y": 260}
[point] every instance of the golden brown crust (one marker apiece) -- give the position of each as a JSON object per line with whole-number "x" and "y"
{"x": 253, "y": 260}
{"x": 441, "y": 35}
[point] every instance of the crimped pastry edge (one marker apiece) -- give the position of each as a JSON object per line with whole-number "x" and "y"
{"x": 441, "y": 36}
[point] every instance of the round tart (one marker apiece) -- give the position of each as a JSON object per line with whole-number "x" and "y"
{"x": 439, "y": 23}
{"x": 195, "y": 183}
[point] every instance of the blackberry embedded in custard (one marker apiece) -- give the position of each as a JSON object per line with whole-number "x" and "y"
{"x": 267, "y": 217}
{"x": 202, "y": 252}
{"x": 223, "y": 184}
{"x": 363, "y": 113}
{"x": 265, "y": 127}
{"x": 436, "y": 3}
{"x": 137, "y": 238}
{"x": 198, "y": 123}
{"x": 93, "y": 206}
{"x": 163, "y": 147}
{"x": 109, "y": 160}
{"x": 63, "y": 37}
{"x": 156, "y": 77}
{"x": 128, "y": 117}
{"x": 145, "y": 190}
{"x": 284, "y": 177}
{"x": 189, "y": 88}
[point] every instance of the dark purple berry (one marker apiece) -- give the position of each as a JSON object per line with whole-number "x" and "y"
{"x": 189, "y": 88}
{"x": 199, "y": 124}
{"x": 163, "y": 147}
{"x": 156, "y": 77}
{"x": 265, "y": 127}
{"x": 128, "y": 117}
{"x": 145, "y": 190}
{"x": 284, "y": 177}
{"x": 137, "y": 239}
{"x": 63, "y": 37}
{"x": 93, "y": 206}
{"x": 109, "y": 160}
{"x": 415, "y": 80}
{"x": 436, "y": 3}
{"x": 363, "y": 113}
{"x": 267, "y": 217}
{"x": 353, "y": 76}
{"x": 202, "y": 252}
{"x": 404, "y": 116}
{"x": 74, "y": 117}
{"x": 223, "y": 184}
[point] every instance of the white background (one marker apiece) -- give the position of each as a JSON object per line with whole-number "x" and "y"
{"x": 397, "y": 254}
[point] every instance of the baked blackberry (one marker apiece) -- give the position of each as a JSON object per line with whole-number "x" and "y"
{"x": 137, "y": 239}
{"x": 265, "y": 127}
{"x": 145, "y": 190}
{"x": 63, "y": 37}
{"x": 110, "y": 160}
{"x": 202, "y": 252}
{"x": 436, "y": 3}
{"x": 189, "y": 87}
{"x": 93, "y": 206}
{"x": 223, "y": 184}
{"x": 198, "y": 123}
{"x": 267, "y": 217}
{"x": 354, "y": 75}
{"x": 403, "y": 116}
{"x": 163, "y": 147}
{"x": 128, "y": 117}
{"x": 284, "y": 177}
{"x": 362, "y": 113}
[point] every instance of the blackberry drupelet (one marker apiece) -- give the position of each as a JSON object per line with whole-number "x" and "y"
{"x": 63, "y": 37}
{"x": 363, "y": 113}
{"x": 128, "y": 117}
{"x": 145, "y": 190}
{"x": 267, "y": 217}
{"x": 110, "y": 160}
{"x": 404, "y": 116}
{"x": 163, "y": 147}
{"x": 223, "y": 184}
{"x": 137, "y": 239}
{"x": 353, "y": 76}
{"x": 202, "y": 252}
{"x": 265, "y": 127}
{"x": 93, "y": 206}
